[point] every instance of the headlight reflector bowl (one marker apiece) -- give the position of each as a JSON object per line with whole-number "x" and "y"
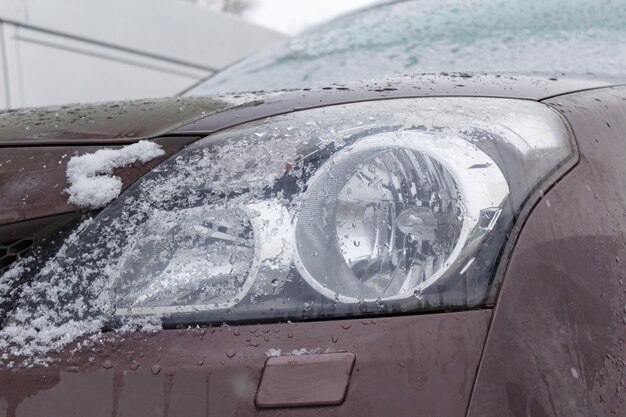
{"x": 391, "y": 214}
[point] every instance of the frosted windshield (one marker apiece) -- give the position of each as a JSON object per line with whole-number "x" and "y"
{"x": 558, "y": 36}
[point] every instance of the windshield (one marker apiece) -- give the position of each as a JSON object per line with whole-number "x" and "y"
{"x": 558, "y": 36}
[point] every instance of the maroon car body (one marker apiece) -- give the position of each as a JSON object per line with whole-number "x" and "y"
{"x": 552, "y": 345}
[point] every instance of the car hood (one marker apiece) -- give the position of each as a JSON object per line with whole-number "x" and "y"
{"x": 261, "y": 104}
{"x": 129, "y": 121}
{"x": 115, "y": 122}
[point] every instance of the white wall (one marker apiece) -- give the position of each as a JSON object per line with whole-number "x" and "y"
{"x": 60, "y": 51}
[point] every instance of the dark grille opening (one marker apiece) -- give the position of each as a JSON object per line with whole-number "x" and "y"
{"x": 11, "y": 251}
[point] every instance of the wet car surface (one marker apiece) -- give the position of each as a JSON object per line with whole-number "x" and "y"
{"x": 519, "y": 191}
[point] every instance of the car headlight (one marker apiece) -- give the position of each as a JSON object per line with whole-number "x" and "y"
{"x": 392, "y": 206}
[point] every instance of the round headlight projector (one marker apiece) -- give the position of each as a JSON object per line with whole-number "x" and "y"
{"x": 391, "y": 214}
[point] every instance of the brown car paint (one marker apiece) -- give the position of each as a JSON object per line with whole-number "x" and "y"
{"x": 556, "y": 341}
{"x": 412, "y": 365}
{"x": 403, "y": 366}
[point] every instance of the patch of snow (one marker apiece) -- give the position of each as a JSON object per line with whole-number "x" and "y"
{"x": 303, "y": 351}
{"x": 296, "y": 352}
{"x": 89, "y": 175}
{"x": 9, "y": 277}
{"x": 42, "y": 336}
{"x": 57, "y": 310}
{"x": 272, "y": 352}
{"x": 146, "y": 324}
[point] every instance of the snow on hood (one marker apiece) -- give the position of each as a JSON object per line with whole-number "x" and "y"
{"x": 89, "y": 175}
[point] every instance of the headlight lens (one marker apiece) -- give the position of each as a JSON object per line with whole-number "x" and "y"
{"x": 392, "y": 214}
{"x": 395, "y": 206}
{"x": 187, "y": 257}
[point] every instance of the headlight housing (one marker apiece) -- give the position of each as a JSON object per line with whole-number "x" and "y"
{"x": 400, "y": 206}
